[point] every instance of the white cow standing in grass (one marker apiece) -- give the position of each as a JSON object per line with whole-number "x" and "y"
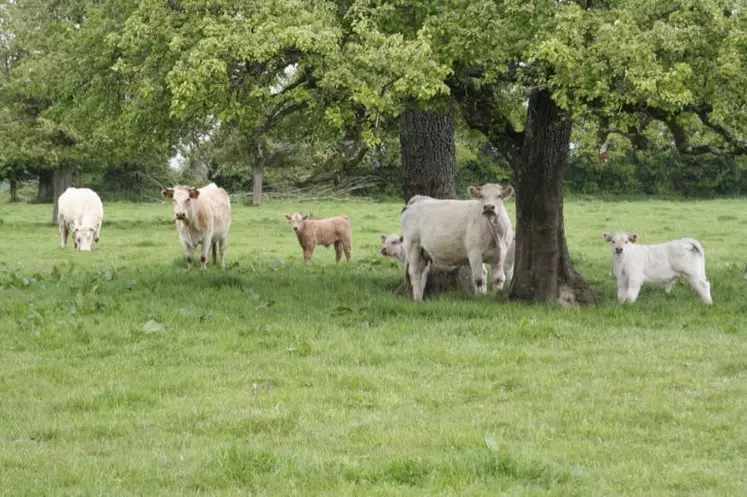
{"x": 80, "y": 212}
{"x": 659, "y": 264}
{"x": 394, "y": 246}
{"x": 202, "y": 217}
{"x": 458, "y": 233}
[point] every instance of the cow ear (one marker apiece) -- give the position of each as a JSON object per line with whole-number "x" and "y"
{"x": 401, "y": 238}
{"x": 194, "y": 193}
{"x": 287, "y": 216}
{"x": 606, "y": 237}
{"x": 306, "y": 217}
{"x": 168, "y": 193}
{"x": 474, "y": 191}
{"x": 507, "y": 192}
{"x": 633, "y": 237}
{"x": 383, "y": 239}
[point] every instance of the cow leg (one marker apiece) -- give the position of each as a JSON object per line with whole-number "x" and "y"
{"x": 188, "y": 254}
{"x": 702, "y": 286}
{"x": 670, "y": 285}
{"x": 207, "y": 242}
{"x": 622, "y": 292}
{"x": 508, "y": 261}
{"x": 417, "y": 270}
{"x": 475, "y": 263}
{"x": 63, "y": 233}
{"x": 338, "y": 251}
{"x": 308, "y": 252}
{"x": 634, "y": 287}
{"x": 222, "y": 250}
{"x": 214, "y": 247}
{"x": 98, "y": 233}
{"x": 346, "y": 249}
{"x": 499, "y": 276}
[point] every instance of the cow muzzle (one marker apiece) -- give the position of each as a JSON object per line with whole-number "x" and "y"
{"x": 488, "y": 210}
{"x": 618, "y": 251}
{"x": 180, "y": 216}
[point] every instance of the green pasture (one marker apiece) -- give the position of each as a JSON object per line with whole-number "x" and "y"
{"x": 123, "y": 374}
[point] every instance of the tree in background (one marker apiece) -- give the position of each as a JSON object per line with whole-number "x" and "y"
{"x": 132, "y": 79}
{"x": 524, "y": 71}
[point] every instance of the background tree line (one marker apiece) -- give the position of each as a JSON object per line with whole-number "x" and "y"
{"x": 319, "y": 90}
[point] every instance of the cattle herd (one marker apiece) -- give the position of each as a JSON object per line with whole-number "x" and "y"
{"x": 435, "y": 233}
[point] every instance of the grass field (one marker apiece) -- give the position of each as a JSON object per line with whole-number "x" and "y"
{"x": 122, "y": 374}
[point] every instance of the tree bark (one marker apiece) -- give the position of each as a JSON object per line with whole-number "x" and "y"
{"x": 45, "y": 192}
{"x": 543, "y": 270}
{"x": 63, "y": 179}
{"x": 429, "y": 162}
{"x": 258, "y": 178}
{"x": 428, "y": 153}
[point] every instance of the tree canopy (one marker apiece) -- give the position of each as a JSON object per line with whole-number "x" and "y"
{"x": 109, "y": 81}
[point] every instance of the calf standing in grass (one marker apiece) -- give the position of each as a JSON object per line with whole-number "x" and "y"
{"x": 659, "y": 264}
{"x": 392, "y": 246}
{"x": 312, "y": 232}
{"x": 202, "y": 217}
{"x": 80, "y": 212}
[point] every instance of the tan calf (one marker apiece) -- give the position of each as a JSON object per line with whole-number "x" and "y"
{"x": 312, "y": 232}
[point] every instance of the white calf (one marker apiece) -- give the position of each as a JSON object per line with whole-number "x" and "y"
{"x": 659, "y": 264}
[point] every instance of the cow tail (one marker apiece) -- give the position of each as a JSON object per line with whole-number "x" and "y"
{"x": 698, "y": 249}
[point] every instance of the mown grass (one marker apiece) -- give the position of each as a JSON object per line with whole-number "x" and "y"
{"x": 122, "y": 374}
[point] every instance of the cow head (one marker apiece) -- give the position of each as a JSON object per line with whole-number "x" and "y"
{"x": 620, "y": 241}
{"x": 492, "y": 196}
{"x": 181, "y": 197}
{"x": 391, "y": 246}
{"x": 84, "y": 236}
{"x": 297, "y": 220}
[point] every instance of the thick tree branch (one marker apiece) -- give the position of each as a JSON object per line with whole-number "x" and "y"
{"x": 276, "y": 115}
{"x": 477, "y": 105}
{"x": 734, "y": 144}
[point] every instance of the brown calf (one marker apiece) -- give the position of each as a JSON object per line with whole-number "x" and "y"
{"x": 312, "y": 232}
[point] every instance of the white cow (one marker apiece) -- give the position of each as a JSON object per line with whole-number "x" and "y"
{"x": 202, "y": 217}
{"x": 394, "y": 246}
{"x": 81, "y": 213}
{"x": 659, "y": 264}
{"x": 458, "y": 233}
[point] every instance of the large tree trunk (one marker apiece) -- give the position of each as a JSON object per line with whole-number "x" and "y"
{"x": 543, "y": 270}
{"x": 45, "y": 192}
{"x": 428, "y": 153}
{"x": 429, "y": 161}
{"x": 258, "y": 178}
{"x": 63, "y": 179}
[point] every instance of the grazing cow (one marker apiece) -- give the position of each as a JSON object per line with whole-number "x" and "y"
{"x": 202, "y": 217}
{"x": 458, "y": 233}
{"x": 659, "y": 264}
{"x": 80, "y": 211}
{"x": 312, "y": 232}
